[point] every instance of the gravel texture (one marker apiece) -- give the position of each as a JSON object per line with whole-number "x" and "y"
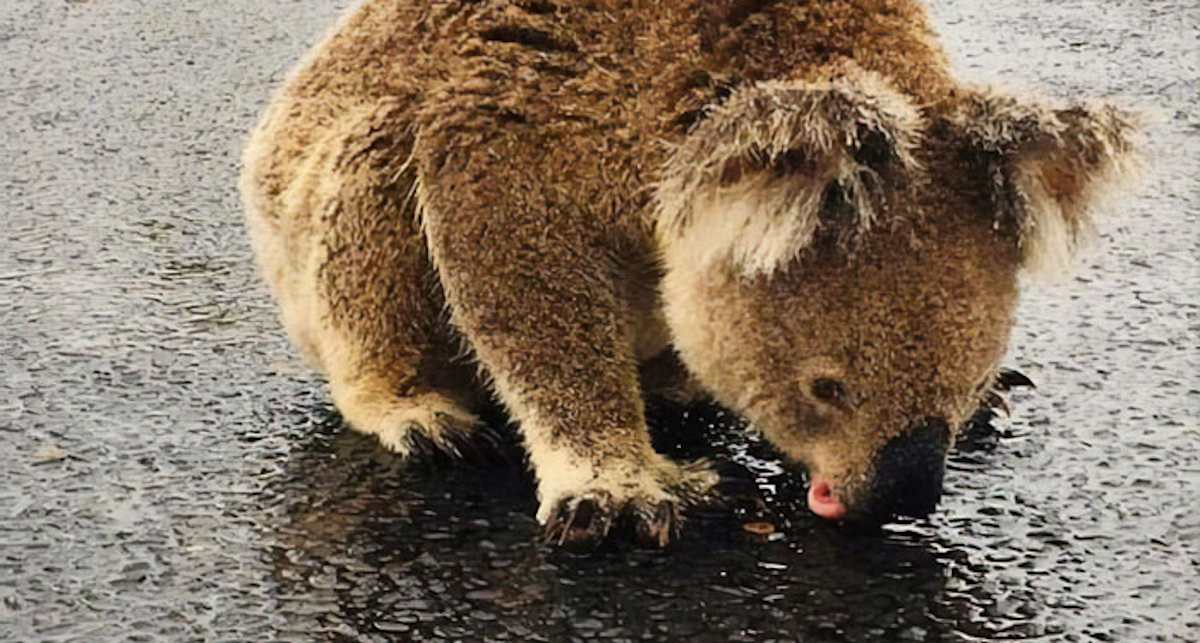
{"x": 170, "y": 471}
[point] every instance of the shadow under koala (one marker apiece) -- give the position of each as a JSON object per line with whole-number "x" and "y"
{"x": 365, "y": 544}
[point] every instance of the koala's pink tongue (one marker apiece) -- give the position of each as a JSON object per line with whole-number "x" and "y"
{"x": 822, "y": 501}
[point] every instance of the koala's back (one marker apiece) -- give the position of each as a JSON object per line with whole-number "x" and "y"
{"x": 615, "y": 77}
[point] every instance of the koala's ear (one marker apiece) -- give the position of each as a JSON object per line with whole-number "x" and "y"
{"x": 754, "y": 179}
{"x": 1050, "y": 168}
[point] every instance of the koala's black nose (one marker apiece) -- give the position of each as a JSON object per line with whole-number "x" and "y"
{"x": 909, "y": 472}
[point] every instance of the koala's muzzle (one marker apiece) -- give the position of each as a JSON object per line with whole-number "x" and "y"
{"x": 907, "y": 481}
{"x": 908, "y": 475}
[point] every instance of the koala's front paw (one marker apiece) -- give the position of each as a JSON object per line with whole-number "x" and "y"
{"x": 651, "y": 505}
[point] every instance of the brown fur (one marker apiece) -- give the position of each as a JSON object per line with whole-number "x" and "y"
{"x": 809, "y": 190}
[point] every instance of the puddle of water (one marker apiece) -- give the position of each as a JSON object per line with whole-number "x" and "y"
{"x": 451, "y": 552}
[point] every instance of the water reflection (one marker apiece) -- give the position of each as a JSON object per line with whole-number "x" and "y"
{"x": 366, "y": 548}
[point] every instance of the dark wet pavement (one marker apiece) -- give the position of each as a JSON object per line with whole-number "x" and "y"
{"x": 170, "y": 471}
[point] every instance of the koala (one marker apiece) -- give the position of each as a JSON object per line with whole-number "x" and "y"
{"x": 789, "y": 207}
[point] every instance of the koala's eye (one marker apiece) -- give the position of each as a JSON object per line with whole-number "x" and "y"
{"x": 831, "y": 391}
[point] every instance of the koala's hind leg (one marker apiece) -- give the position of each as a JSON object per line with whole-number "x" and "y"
{"x": 380, "y": 330}
{"x": 531, "y": 285}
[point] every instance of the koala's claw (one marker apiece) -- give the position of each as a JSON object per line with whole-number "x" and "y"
{"x": 581, "y": 522}
{"x": 1008, "y": 379}
{"x": 447, "y": 443}
{"x": 478, "y": 446}
{"x": 650, "y": 509}
{"x": 657, "y": 526}
{"x": 584, "y": 522}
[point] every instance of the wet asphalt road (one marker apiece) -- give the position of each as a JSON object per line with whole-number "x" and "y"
{"x": 170, "y": 471}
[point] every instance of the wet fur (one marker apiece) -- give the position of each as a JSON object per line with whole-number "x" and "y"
{"x": 533, "y": 199}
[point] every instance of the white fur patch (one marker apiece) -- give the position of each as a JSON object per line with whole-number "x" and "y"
{"x": 1047, "y": 244}
{"x": 747, "y": 223}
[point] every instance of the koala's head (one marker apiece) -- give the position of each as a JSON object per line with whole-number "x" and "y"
{"x": 842, "y": 268}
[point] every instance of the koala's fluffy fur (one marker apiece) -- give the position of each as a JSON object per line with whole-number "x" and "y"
{"x": 778, "y": 192}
